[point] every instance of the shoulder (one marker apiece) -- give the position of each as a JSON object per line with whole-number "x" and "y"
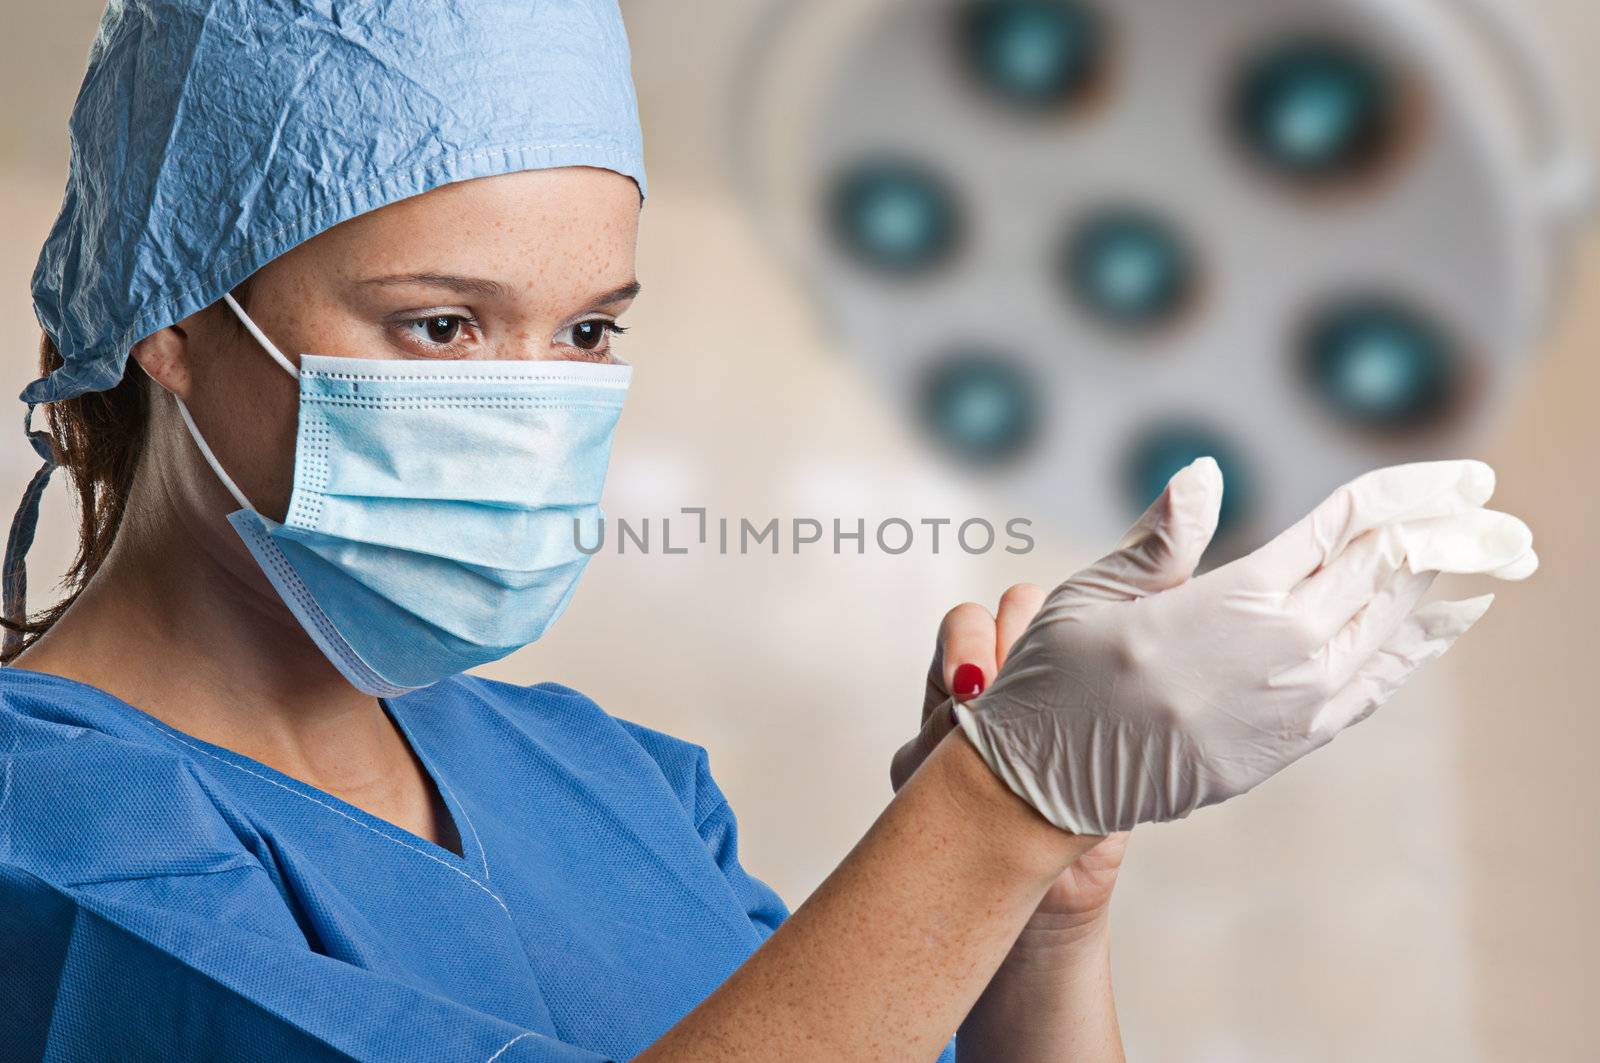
{"x": 87, "y": 795}
{"x": 573, "y": 725}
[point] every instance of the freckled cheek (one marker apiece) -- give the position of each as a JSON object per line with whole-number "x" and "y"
{"x": 307, "y": 319}
{"x": 272, "y": 426}
{"x": 251, "y": 416}
{"x": 346, "y": 339}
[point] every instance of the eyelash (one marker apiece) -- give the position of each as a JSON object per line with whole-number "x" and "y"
{"x": 418, "y": 324}
{"x": 601, "y": 351}
{"x": 416, "y": 328}
{"x": 611, "y": 328}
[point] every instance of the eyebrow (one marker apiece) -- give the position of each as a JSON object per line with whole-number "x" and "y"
{"x": 470, "y": 285}
{"x": 617, "y": 295}
{"x": 492, "y": 288}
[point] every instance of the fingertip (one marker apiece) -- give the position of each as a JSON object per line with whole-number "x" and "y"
{"x": 968, "y": 682}
{"x": 966, "y": 637}
{"x": 1200, "y": 472}
{"x": 1473, "y": 609}
{"x": 1522, "y": 568}
{"x": 1184, "y": 519}
{"x": 1206, "y": 474}
{"x": 1444, "y": 622}
{"x": 1477, "y": 542}
{"x": 1197, "y": 490}
{"x": 1478, "y": 481}
{"x": 1509, "y": 534}
{"x": 1459, "y": 616}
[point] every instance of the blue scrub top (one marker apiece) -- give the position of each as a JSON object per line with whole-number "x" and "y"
{"x": 164, "y": 898}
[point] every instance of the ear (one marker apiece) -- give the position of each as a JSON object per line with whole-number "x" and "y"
{"x": 164, "y": 357}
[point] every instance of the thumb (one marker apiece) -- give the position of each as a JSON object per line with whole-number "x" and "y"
{"x": 1164, "y": 546}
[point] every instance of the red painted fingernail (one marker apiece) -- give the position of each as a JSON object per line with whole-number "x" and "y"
{"x": 968, "y": 682}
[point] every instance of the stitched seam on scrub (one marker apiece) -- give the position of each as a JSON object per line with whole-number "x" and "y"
{"x": 346, "y": 815}
{"x": 700, "y": 825}
{"x": 243, "y": 864}
{"x": 483, "y": 854}
{"x": 507, "y": 1045}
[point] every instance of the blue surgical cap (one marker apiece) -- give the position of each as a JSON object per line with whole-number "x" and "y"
{"x": 210, "y": 136}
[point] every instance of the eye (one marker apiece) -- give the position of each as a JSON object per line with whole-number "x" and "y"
{"x": 439, "y": 329}
{"x": 591, "y": 335}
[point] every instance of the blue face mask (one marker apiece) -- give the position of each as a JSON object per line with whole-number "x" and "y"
{"x": 438, "y": 507}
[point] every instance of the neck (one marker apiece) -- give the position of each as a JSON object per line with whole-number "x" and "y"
{"x": 180, "y": 622}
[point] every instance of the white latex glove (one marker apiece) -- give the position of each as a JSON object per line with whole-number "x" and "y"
{"x": 1139, "y": 695}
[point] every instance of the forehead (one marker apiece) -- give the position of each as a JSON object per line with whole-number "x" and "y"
{"x": 574, "y": 225}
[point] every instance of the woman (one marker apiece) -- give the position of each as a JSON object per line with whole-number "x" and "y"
{"x": 329, "y": 313}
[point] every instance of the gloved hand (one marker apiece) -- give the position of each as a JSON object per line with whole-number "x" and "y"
{"x": 1139, "y": 695}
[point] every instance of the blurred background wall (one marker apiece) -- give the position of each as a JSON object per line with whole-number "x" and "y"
{"x": 1424, "y": 889}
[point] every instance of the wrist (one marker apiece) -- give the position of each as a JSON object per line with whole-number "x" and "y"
{"x": 1057, "y": 956}
{"x": 1002, "y": 827}
{"x": 1050, "y": 999}
{"x": 1060, "y": 933}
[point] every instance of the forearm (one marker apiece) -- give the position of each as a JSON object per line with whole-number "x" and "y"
{"x": 893, "y": 950}
{"x": 1050, "y": 1001}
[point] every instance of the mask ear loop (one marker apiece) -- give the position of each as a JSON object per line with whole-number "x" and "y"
{"x": 211, "y": 459}
{"x": 261, "y": 337}
{"x": 188, "y": 419}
